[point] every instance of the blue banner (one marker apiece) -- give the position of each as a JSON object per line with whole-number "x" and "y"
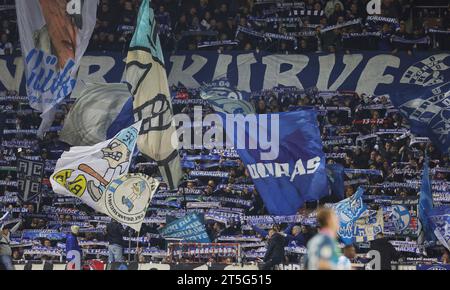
{"x": 190, "y": 228}
{"x": 293, "y": 171}
{"x": 366, "y": 72}
{"x": 348, "y": 211}
{"x": 427, "y": 109}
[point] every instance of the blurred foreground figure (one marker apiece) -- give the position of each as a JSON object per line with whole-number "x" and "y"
{"x": 323, "y": 252}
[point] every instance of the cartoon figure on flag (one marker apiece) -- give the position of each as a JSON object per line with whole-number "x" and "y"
{"x": 126, "y": 198}
{"x": 137, "y": 192}
{"x": 117, "y": 154}
{"x": 92, "y": 169}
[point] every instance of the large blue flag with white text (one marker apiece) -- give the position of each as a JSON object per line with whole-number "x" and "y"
{"x": 283, "y": 155}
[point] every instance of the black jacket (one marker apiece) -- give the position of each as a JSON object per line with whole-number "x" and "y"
{"x": 114, "y": 234}
{"x": 387, "y": 252}
{"x": 275, "y": 249}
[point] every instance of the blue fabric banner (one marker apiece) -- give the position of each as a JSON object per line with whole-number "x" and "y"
{"x": 293, "y": 172}
{"x": 190, "y": 228}
{"x": 348, "y": 211}
{"x": 427, "y": 108}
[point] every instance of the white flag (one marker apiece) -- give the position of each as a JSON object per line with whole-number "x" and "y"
{"x": 54, "y": 37}
{"x": 94, "y": 173}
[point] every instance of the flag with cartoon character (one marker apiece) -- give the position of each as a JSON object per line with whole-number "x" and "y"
{"x": 95, "y": 173}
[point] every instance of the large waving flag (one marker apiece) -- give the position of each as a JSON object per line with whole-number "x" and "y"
{"x": 293, "y": 171}
{"x": 98, "y": 176}
{"x": 425, "y": 231}
{"x": 349, "y": 210}
{"x": 428, "y": 112}
{"x": 53, "y": 42}
{"x": 99, "y": 113}
{"x": 147, "y": 78}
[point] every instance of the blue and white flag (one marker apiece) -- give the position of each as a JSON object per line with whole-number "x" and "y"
{"x": 190, "y": 228}
{"x": 423, "y": 96}
{"x": 348, "y": 211}
{"x": 225, "y": 99}
{"x": 425, "y": 231}
{"x": 53, "y": 42}
{"x": 440, "y": 223}
{"x": 291, "y": 170}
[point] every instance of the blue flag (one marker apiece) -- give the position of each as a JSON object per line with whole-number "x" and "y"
{"x": 335, "y": 173}
{"x": 293, "y": 172}
{"x": 440, "y": 222}
{"x": 190, "y": 228}
{"x": 425, "y": 232}
{"x": 428, "y": 113}
{"x": 348, "y": 211}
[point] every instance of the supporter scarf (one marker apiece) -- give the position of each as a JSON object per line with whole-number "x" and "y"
{"x": 423, "y": 40}
{"x": 432, "y": 30}
{"x": 217, "y": 43}
{"x": 363, "y": 171}
{"x": 373, "y": 20}
{"x": 337, "y": 26}
{"x": 219, "y": 174}
{"x": 364, "y": 34}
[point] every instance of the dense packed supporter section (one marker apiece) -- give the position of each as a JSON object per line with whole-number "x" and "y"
{"x": 365, "y": 134}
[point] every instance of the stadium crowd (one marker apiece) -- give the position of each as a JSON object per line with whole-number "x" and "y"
{"x": 292, "y": 27}
{"x": 360, "y": 132}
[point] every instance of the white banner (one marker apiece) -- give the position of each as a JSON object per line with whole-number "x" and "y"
{"x": 54, "y": 37}
{"x": 98, "y": 176}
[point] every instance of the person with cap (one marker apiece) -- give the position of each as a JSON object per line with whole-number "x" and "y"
{"x": 72, "y": 241}
{"x": 5, "y": 244}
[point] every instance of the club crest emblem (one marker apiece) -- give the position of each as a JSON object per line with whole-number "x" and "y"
{"x": 127, "y": 198}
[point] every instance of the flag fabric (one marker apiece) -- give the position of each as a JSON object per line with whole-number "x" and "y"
{"x": 440, "y": 223}
{"x": 152, "y": 104}
{"x": 98, "y": 176}
{"x": 367, "y": 228}
{"x": 29, "y": 178}
{"x": 425, "y": 231}
{"x": 335, "y": 174}
{"x": 190, "y": 228}
{"x": 298, "y": 173}
{"x": 99, "y": 113}
{"x": 53, "y": 42}
{"x": 226, "y": 100}
{"x": 348, "y": 211}
{"x": 428, "y": 113}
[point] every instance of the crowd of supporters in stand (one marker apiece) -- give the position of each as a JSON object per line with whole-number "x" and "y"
{"x": 194, "y": 24}
{"x": 393, "y": 154}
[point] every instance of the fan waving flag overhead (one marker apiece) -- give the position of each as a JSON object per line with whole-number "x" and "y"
{"x": 146, "y": 75}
